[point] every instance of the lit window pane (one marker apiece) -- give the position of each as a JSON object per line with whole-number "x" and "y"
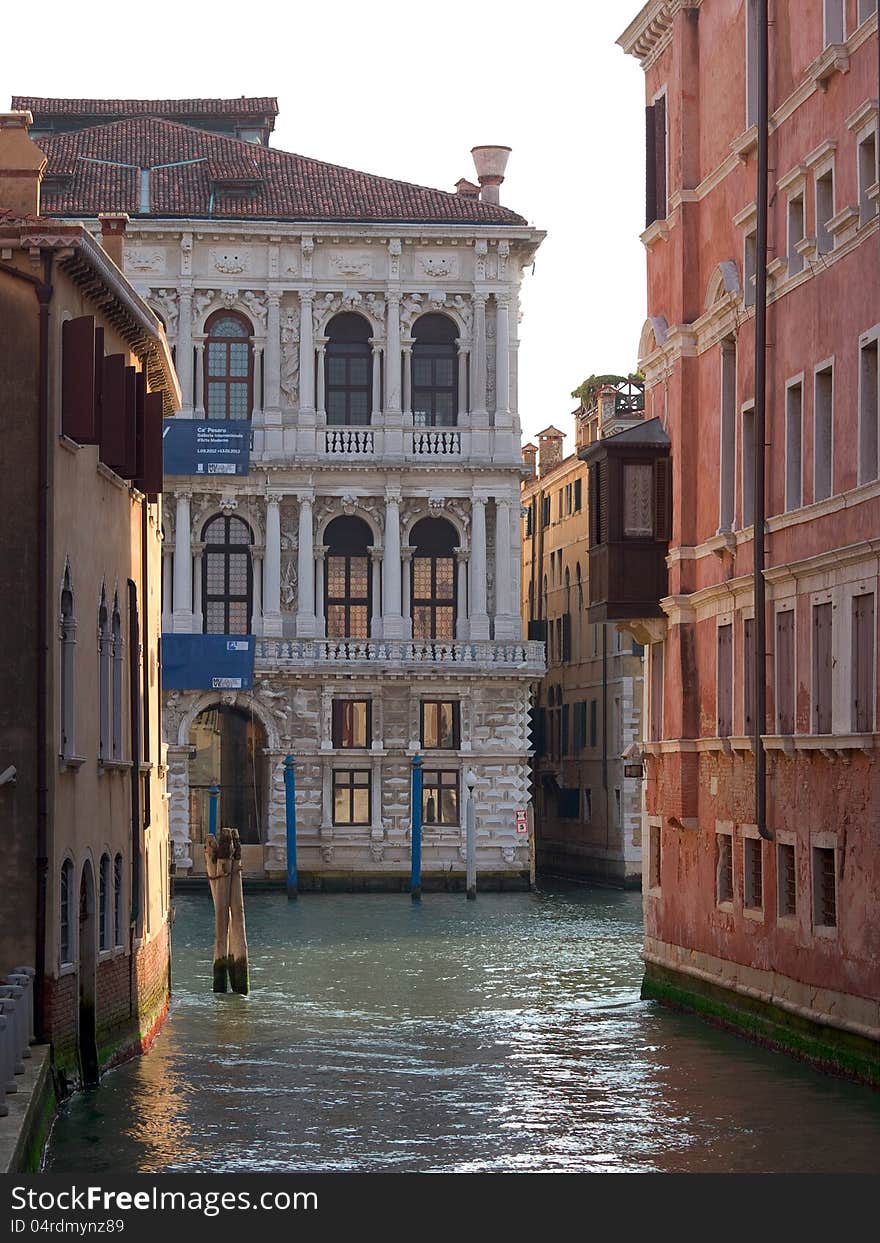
{"x": 238, "y": 618}
{"x": 216, "y": 405}
{"x": 449, "y": 807}
{"x": 359, "y": 575}
{"x": 341, "y": 813}
{"x": 361, "y": 807}
{"x": 238, "y": 359}
{"x": 336, "y": 621}
{"x": 358, "y": 623}
{"x": 446, "y": 738}
{"x": 216, "y": 359}
{"x": 421, "y": 623}
{"x": 445, "y": 577}
{"x": 444, "y": 623}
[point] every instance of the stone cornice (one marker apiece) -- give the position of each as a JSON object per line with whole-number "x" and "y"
{"x": 650, "y": 32}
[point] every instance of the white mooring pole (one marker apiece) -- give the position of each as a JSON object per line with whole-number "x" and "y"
{"x": 471, "y": 835}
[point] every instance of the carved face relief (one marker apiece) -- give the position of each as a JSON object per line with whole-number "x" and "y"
{"x": 230, "y": 262}
{"x": 346, "y": 264}
{"x": 438, "y": 265}
{"x": 144, "y": 259}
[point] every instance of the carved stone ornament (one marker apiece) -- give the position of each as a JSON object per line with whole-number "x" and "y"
{"x": 435, "y": 505}
{"x": 349, "y": 504}
{"x": 228, "y": 503}
{"x": 144, "y": 259}
{"x": 230, "y": 262}
{"x": 351, "y": 265}
{"x": 377, "y": 851}
{"x": 410, "y": 308}
{"x": 202, "y": 300}
{"x": 256, "y": 305}
{"x": 290, "y": 357}
{"x": 375, "y": 308}
{"x": 166, "y": 302}
{"x": 288, "y": 584}
{"x": 438, "y": 265}
{"x": 327, "y": 852}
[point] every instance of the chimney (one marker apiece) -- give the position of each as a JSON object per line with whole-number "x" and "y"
{"x": 490, "y": 163}
{"x": 529, "y": 457}
{"x": 113, "y": 226}
{"x": 549, "y": 450}
{"x": 22, "y": 165}
{"x": 467, "y": 189}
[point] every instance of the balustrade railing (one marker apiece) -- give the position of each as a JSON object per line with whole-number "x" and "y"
{"x": 16, "y": 1028}
{"x": 398, "y": 652}
{"x": 349, "y": 441}
{"x": 439, "y": 442}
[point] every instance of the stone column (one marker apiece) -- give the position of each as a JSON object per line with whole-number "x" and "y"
{"x": 320, "y": 619}
{"x": 321, "y": 343}
{"x": 392, "y": 621}
{"x": 200, "y": 378}
{"x": 198, "y": 550}
{"x": 507, "y": 616}
{"x": 462, "y": 557}
{"x": 463, "y": 351}
{"x": 272, "y": 567}
{"x": 273, "y": 356}
{"x": 258, "y": 380}
{"x": 257, "y": 553}
{"x": 327, "y": 798}
{"x": 479, "y": 627}
{"x": 392, "y": 356}
{"x": 478, "y": 374}
{"x": 305, "y": 615}
{"x": 306, "y": 359}
{"x": 376, "y": 412}
{"x": 406, "y": 554}
{"x": 376, "y": 610}
{"x": 502, "y": 359}
{"x": 184, "y": 356}
{"x": 167, "y": 584}
{"x": 182, "y": 617}
{"x": 407, "y": 345}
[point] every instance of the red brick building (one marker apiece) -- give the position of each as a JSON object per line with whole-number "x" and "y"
{"x": 762, "y": 868}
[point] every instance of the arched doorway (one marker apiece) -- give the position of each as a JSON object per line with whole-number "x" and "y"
{"x": 434, "y": 593}
{"x": 348, "y": 594}
{"x": 88, "y": 1047}
{"x": 229, "y": 746}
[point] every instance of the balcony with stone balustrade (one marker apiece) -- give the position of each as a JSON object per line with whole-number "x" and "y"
{"x": 403, "y": 657}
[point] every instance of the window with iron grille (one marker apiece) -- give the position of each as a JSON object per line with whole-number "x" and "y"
{"x": 440, "y": 797}
{"x": 67, "y": 911}
{"x": 104, "y": 903}
{"x": 351, "y": 796}
{"x": 228, "y": 367}
{"x": 753, "y": 874}
{"x": 227, "y": 577}
{"x": 352, "y": 723}
{"x": 117, "y": 900}
{"x": 654, "y": 856}
{"x": 440, "y": 724}
{"x": 786, "y": 880}
{"x": 824, "y": 887}
{"x": 724, "y": 867}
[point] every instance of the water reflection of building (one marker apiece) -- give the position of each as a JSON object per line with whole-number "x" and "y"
{"x": 588, "y": 707}
{"x": 368, "y": 329}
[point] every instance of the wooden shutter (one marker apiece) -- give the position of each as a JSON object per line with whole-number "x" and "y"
{"x": 140, "y": 394}
{"x": 662, "y": 491}
{"x": 725, "y": 681}
{"x": 593, "y": 723}
{"x": 566, "y": 637}
{"x": 863, "y": 676}
{"x": 565, "y": 729}
{"x": 660, "y": 159}
{"x": 78, "y": 379}
{"x": 99, "y": 384}
{"x": 822, "y": 668}
{"x": 151, "y": 479}
{"x": 129, "y": 470}
{"x": 650, "y": 167}
{"x": 785, "y": 672}
{"x": 749, "y": 676}
{"x": 113, "y": 439}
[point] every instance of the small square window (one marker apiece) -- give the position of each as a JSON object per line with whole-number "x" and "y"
{"x": 440, "y": 727}
{"x": 352, "y": 723}
{"x": 351, "y": 797}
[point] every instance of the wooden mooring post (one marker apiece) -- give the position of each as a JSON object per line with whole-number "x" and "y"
{"x": 223, "y": 863}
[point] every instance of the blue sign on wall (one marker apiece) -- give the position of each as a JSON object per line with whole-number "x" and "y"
{"x": 207, "y": 662}
{"x": 206, "y": 446}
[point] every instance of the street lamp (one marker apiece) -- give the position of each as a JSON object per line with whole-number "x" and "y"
{"x": 470, "y": 813}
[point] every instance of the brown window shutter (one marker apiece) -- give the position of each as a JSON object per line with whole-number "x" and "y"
{"x": 660, "y": 158}
{"x": 725, "y": 681}
{"x": 863, "y": 675}
{"x": 566, "y": 636}
{"x": 113, "y": 440}
{"x": 662, "y": 524}
{"x": 78, "y": 379}
{"x": 650, "y": 167}
{"x": 749, "y": 676}
{"x": 822, "y": 669}
{"x": 151, "y": 480}
{"x": 337, "y": 722}
{"x": 785, "y": 672}
{"x": 140, "y": 393}
{"x": 99, "y": 383}
{"x": 602, "y": 507}
{"x": 129, "y": 470}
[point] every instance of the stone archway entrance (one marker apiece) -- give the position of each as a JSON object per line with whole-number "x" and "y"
{"x": 229, "y": 746}
{"x": 86, "y": 975}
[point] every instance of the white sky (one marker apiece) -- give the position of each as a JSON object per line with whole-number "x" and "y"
{"x": 404, "y": 89}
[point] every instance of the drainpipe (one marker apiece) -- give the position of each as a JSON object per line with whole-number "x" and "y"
{"x": 760, "y": 427}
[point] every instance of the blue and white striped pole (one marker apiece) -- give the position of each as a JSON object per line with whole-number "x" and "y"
{"x": 290, "y": 813}
{"x": 415, "y": 882}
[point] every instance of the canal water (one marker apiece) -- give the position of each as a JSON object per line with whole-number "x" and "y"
{"x": 504, "y": 1034}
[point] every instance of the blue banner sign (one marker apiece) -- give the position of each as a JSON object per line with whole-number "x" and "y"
{"x": 206, "y": 446}
{"x": 207, "y": 662}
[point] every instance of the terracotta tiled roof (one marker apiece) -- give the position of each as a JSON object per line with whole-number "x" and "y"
{"x": 191, "y": 169}
{"x": 48, "y": 107}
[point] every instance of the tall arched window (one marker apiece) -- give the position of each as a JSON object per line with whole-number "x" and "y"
{"x": 68, "y": 685}
{"x": 227, "y": 576}
{"x": 435, "y": 372}
{"x": 348, "y": 371}
{"x": 66, "y": 927}
{"x": 118, "y": 666}
{"x": 433, "y": 579}
{"x": 104, "y": 653}
{"x": 229, "y": 370}
{"x": 348, "y": 595}
{"x": 104, "y": 903}
{"x": 117, "y": 899}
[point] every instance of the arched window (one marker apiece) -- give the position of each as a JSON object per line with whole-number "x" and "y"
{"x": 433, "y": 579}
{"x": 104, "y": 903}
{"x": 118, "y": 659}
{"x": 68, "y": 684}
{"x": 348, "y": 373}
{"x": 117, "y": 899}
{"x": 435, "y": 372}
{"x": 227, "y": 576}
{"x": 66, "y": 911}
{"x": 348, "y": 595}
{"x": 229, "y": 752}
{"x": 229, "y": 370}
{"x": 104, "y": 653}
